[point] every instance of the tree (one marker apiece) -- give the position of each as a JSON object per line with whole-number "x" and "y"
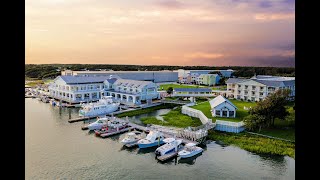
{"x": 169, "y": 90}
{"x": 222, "y": 81}
{"x": 254, "y": 121}
{"x": 269, "y": 109}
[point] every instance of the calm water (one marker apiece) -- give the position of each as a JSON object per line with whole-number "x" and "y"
{"x": 56, "y": 149}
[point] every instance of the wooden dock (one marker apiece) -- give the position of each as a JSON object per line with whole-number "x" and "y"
{"x": 116, "y": 132}
{"x": 80, "y": 119}
{"x": 167, "y": 156}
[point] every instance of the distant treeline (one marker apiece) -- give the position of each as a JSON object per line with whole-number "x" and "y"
{"x": 53, "y": 70}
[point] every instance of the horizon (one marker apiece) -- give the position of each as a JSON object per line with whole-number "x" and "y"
{"x": 162, "y": 65}
{"x": 161, "y": 32}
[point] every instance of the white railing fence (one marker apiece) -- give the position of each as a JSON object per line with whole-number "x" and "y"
{"x": 195, "y": 113}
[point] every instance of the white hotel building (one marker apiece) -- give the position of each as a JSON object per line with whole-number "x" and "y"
{"x": 258, "y": 87}
{"x": 74, "y": 89}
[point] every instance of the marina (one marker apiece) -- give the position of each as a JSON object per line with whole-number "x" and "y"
{"x": 53, "y": 142}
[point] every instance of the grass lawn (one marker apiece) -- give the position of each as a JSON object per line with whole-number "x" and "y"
{"x": 223, "y": 87}
{"x": 34, "y": 83}
{"x": 173, "y": 118}
{"x": 253, "y": 143}
{"x": 288, "y": 134}
{"x": 240, "y": 114}
{"x": 146, "y": 110}
{"x": 166, "y": 86}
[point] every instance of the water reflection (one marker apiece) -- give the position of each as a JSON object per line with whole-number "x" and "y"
{"x": 190, "y": 160}
{"x": 147, "y": 150}
{"x": 170, "y": 161}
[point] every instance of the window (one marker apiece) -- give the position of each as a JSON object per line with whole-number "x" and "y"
{"x": 218, "y": 112}
{"x": 261, "y": 88}
{"x": 231, "y": 113}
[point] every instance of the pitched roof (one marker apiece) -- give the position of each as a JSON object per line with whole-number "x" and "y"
{"x": 111, "y": 80}
{"x": 193, "y": 89}
{"x": 218, "y": 100}
{"x": 83, "y": 79}
{"x": 236, "y": 80}
{"x": 274, "y": 81}
{"x": 130, "y": 83}
{"x": 270, "y": 82}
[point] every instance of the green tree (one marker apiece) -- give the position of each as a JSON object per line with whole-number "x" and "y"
{"x": 269, "y": 109}
{"x": 254, "y": 121}
{"x": 169, "y": 90}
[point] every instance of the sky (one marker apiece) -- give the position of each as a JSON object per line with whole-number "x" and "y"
{"x": 161, "y": 32}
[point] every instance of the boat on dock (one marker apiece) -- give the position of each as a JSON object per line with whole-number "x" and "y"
{"x": 80, "y": 104}
{"x": 154, "y": 138}
{"x": 111, "y": 127}
{"x": 100, "y": 123}
{"x": 190, "y": 150}
{"x": 171, "y": 145}
{"x": 104, "y": 106}
{"x": 61, "y": 104}
{"x": 132, "y": 138}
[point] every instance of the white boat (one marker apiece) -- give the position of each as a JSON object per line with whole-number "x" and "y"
{"x": 52, "y": 102}
{"x": 60, "y": 104}
{"x": 154, "y": 138}
{"x": 190, "y": 150}
{"x": 104, "y": 106}
{"x": 172, "y": 145}
{"x": 79, "y": 105}
{"x": 112, "y": 126}
{"x": 101, "y": 122}
{"x": 132, "y": 137}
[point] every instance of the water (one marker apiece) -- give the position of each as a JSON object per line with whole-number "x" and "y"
{"x": 56, "y": 149}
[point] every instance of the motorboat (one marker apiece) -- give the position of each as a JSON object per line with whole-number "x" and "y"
{"x": 60, "y": 104}
{"x": 132, "y": 137}
{"x": 110, "y": 127}
{"x": 104, "y": 106}
{"x": 45, "y": 99}
{"x": 190, "y": 150}
{"x": 79, "y": 105}
{"x": 52, "y": 102}
{"x": 171, "y": 145}
{"x": 98, "y": 124}
{"x": 154, "y": 138}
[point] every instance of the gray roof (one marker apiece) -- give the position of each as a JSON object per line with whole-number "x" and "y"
{"x": 270, "y": 83}
{"x": 111, "y": 80}
{"x": 83, "y": 79}
{"x": 235, "y": 80}
{"x": 273, "y": 81}
{"x": 289, "y": 83}
{"x": 193, "y": 89}
{"x": 131, "y": 83}
{"x": 218, "y": 100}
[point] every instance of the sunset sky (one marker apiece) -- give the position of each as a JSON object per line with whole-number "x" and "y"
{"x": 161, "y": 32}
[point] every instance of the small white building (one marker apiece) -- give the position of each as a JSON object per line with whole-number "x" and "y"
{"x": 222, "y": 107}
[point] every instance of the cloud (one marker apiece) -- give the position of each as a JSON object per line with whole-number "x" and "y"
{"x": 272, "y": 17}
{"x": 203, "y": 55}
{"x": 169, "y": 4}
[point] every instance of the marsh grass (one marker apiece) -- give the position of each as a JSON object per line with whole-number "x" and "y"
{"x": 253, "y": 143}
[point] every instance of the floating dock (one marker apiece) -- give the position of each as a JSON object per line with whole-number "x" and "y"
{"x": 167, "y": 156}
{"x": 80, "y": 119}
{"x": 116, "y": 132}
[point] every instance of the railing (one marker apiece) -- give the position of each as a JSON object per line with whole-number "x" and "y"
{"x": 228, "y": 123}
{"x": 196, "y": 113}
